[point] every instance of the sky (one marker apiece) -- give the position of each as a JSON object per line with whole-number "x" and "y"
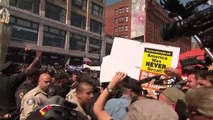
{"x": 110, "y": 2}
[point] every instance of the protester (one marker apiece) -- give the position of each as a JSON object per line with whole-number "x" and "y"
{"x": 30, "y": 83}
{"x": 171, "y": 95}
{"x": 149, "y": 109}
{"x": 73, "y": 81}
{"x": 205, "y": 79}
{"x": 35, "y": 97}
{"x": 9, "y": 85}
{"x": 100, "y": 103}
{"x": 200, "y": 103}
{"x": 81, "y": 96}
{"x": 59, "y": 86}
{"x": 191, "y": 81}
{"x": 129, "y": 88}
{"x": 118, "y": 112}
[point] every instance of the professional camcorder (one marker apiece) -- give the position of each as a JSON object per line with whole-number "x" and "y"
{"x": 193, "y": 64}
{"x": 193, "y": 21}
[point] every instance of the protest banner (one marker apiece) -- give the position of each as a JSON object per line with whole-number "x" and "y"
{"x": 155, "y": 59}
{"x": 138, "y": 60}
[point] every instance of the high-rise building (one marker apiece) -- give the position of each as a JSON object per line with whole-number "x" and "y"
{"x": 144, "y": 20}
{"x": 60, "y": 28}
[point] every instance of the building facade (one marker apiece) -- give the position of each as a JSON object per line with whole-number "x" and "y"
{"x": 155, "y": 16}
{"x": 118, "y": 19}
{"x": 71, "y": 28}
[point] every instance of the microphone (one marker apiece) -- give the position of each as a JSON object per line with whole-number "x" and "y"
{"x": 160, "y": 81}
{"x": 148, "y": 79}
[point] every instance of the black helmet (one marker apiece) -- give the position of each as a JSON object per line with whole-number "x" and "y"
{"x": 55, "y": 112}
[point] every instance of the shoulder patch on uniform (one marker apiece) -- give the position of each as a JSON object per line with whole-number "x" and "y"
{"x": 31, "y": 101}
{"x": 21, "y": 95}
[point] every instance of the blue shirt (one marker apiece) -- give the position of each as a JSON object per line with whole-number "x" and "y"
{"x": 116, "y": 107}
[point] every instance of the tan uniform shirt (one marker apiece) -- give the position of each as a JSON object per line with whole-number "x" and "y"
{"x": 71, "y": 97}
{"x": 35, "y": 97}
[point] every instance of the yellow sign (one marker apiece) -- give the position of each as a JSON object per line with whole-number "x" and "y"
{"x": 155, "y": 61}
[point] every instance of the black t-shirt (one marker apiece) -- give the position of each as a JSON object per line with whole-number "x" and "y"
{"x": 8, "y": 87}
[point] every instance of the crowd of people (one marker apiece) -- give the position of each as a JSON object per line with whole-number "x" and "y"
{"x": 37, "y": 93}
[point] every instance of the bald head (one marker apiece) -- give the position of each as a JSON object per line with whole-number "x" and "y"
{"x": 44, "y": 81}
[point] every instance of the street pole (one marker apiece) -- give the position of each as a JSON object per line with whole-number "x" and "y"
{"x": 100, "y": 46}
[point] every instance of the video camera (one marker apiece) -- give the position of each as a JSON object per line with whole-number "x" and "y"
{"x": 193, "y": 64}
{"x": 191, "y": 21}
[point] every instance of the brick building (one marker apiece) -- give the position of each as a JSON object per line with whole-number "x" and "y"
{"x": 118, "y": 19}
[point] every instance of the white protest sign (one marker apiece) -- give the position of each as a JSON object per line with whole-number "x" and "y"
{"x": 110, "y": 66}
{"x": 135, "y": 58}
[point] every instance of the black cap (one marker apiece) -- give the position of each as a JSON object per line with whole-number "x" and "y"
{"x": 132, "y": 84}
{"x": 5, "y": 66}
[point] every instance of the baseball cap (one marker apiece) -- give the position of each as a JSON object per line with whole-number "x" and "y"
{"x": 149, "y": 109}
{"x": 174, "y": 94}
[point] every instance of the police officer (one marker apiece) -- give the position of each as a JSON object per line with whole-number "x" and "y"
{"x": 35, "y": 97}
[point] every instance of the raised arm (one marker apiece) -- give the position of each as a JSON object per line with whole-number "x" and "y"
{"x": 172, "y": 72}
{"x": 35, "y": 61}
{"x": 102, "y": 99}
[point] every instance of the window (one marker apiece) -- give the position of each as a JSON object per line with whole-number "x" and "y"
{"x": 120, "y": 10}
{"x": 78, "y": 20}
{"x": 126, "y": 28}
{"x": 30, "y": 5}
{"x": 126, "y": 18}
{"x": 55, "y": 12}
{"x": 116, "y": 20}
{"x": 121, "y": 19}
{"x": 123, "y": 10}
{"x": 96, "y": 10}
{"x": 121, "y": 29}
{"x": 54, "y": 37}
{"x": 116, "y": 12}
{"x": 95, "y": 26}
{"x": 115, "y": 29}
{"x": 77, "y": 42}
{"x": 24, "y": 30}
{"x": 127, "y": 9}
{"x": 94, "y": 46}
{"x": 108, "y": 48}
{"x": 81, "y": 4}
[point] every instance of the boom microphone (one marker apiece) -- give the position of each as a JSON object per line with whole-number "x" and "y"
{"x": 148, "y": 79}
{"x": 160, "y": 81}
